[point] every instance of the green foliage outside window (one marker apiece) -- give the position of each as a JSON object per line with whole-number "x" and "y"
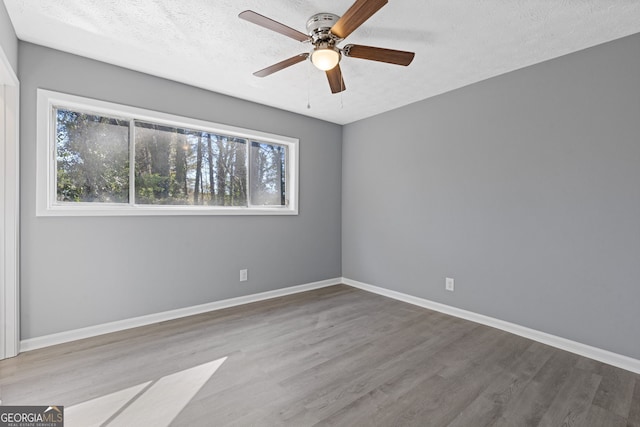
{"x": 172, "y": 165}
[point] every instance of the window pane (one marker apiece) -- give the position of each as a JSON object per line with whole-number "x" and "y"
{"x": 268, "y": 174}
{"x": 107, "y": 159}
{"x": 176, "y": 166}
{"x": 92, "y": 158}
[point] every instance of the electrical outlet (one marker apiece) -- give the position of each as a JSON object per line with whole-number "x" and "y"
{"x": 448, "y": 284}
{"x": 244, "y": 275}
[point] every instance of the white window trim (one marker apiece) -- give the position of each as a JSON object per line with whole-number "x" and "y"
{"x": 47, "y": 205}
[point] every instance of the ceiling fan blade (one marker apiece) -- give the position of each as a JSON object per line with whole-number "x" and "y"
{"x": 389, "y": 56}
{"x": 336, "y": 82}
{"x": 359, "y": 12}
{"x": 281, "y": 65}
{"x": 268, "y": 23}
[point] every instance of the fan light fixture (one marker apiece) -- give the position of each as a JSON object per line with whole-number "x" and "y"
{"x": 325, "y": 58}
{"x": 324, "y": 32}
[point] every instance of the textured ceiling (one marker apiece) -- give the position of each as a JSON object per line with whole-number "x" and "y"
{"x": 205, "y": 44}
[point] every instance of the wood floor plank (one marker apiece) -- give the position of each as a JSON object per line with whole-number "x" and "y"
{"x": 334, "y": 356}
{"x": 598, "y": 417}
{"x": 407, "y": 366}
{"x": 615, "y": 391}
{"x": 490, "y": 405}
{"x": 528, "y": 408}
{"x": 634, "y": 410}
{"x": 571, "y": 405}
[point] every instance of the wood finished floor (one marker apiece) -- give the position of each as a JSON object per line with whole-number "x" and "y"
{"x": 336, "y": 356}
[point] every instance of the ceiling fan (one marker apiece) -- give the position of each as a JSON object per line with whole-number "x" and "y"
{"x": 325, "y": 31}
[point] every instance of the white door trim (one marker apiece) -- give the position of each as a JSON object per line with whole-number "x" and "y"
{"x": 9, "y": 210}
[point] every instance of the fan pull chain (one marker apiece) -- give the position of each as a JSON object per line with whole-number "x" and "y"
{"x": 342, "y": 91}
{"x": 309, "y": 86}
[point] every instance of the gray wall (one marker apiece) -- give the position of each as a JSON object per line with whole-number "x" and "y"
{"x": 79, "y": 272}
{"x": 8, "y": 40}
{"x": 524, "y": 188}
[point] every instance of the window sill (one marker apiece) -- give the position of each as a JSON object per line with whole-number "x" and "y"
{"x": 140, "y": 210}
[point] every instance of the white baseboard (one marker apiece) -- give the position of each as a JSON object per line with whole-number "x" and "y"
{"x": 585, "y": 350}
{"x": 92, "y": 331}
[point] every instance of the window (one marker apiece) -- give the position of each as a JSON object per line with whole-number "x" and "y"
{"x": 100, "y": 158}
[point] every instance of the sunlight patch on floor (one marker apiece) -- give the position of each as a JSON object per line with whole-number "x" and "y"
{"x": 155, "y": 403}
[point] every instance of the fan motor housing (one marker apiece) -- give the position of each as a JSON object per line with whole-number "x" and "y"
{"x": 318, "y": 26}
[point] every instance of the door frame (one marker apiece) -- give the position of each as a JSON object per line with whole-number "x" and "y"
{"x": 9, "y": 210}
